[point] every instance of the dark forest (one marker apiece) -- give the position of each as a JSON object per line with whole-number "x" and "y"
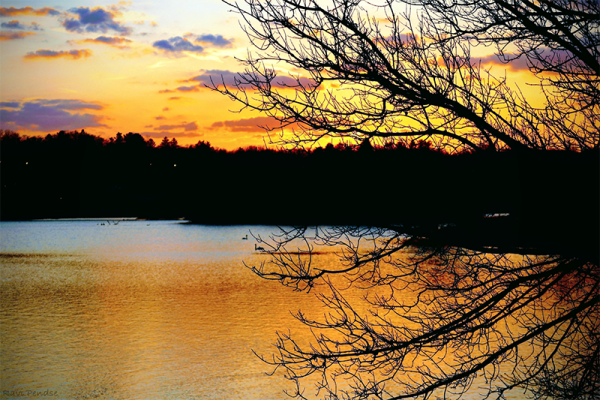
{"x": 78, "y": 175}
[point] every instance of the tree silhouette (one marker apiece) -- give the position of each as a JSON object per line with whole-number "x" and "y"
{"x": 445, "y": 311}
{"x": 405, "y": 70}
{"x": 436, "y": 321}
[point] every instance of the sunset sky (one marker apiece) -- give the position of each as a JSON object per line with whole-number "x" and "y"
{"x": 129, "y": 66}
{"x": 113, "y": 67}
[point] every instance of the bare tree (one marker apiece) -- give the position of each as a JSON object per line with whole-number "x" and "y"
{"x": 436, "y": 320}
{"x": 405, "y": 70}
{"x": 441, "y": 320}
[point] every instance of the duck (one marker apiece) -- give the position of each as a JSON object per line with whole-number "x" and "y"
{"x": 245, "y": 238}
{"x": 258, "y": 248}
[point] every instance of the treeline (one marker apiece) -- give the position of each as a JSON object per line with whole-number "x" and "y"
{"x": 135, "y": 143}
{"x": 74, "y": 174}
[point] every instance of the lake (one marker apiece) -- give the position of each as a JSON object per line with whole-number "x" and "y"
{"x": 139, "y": 310}
{"x": 144, "y": 310}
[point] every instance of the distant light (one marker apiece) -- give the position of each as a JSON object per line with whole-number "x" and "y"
{"x": 174, "y": 165}
{"x": 26, "y": 162}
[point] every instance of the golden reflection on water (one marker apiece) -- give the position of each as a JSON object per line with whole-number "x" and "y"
{"x": 138, "y": 311}
{"x": 166, "y": 313}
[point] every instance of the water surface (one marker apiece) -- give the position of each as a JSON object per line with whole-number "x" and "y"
{"x": 138, "y": 310}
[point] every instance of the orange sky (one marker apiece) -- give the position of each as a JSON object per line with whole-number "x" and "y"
{"x": 129, "y": 66}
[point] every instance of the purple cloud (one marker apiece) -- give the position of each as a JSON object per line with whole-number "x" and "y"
{"x": 50, "y": 115}
{"x": 70, "y": 104}
{"x": 215, "y": 40}
{"x": 10, "y": 104}
{"x": 191, "y": 126}
{"x": 516, "y": 64}
{"x": 177, "y": 44}
{"x": 220, "y": 77}
{"x": 170, "y": 135}
{"x": 14, "y": 35}
{"x": 187, "y": 89}
{"x": 255, "y": 124}
{"x": 118, "y": 42}
{"x": 94, "y": 20}
{"x": 14, "y": 24}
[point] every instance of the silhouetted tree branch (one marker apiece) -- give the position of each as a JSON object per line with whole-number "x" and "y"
{"x": 436, "y": 321}
{"x": 439, "y": 317}
{"x": 405, "y": 70}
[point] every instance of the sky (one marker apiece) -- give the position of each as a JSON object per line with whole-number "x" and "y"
{"x": 129, "y": 66}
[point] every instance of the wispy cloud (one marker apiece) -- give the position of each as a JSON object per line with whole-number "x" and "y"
{"x": 220, "y": 77}
{"x": 177, "y": 45}
{"x": 516, "y": 64}
{"x": 191, "y": 126}
{"x": 170, "y": 135}
{"x": 118, "y": 42}
{"x": 14, "y": 24}
{"x": 510, "y": 62}
{"x": 182, "y": 89}
{"x": 14, "y": 35}
{"x": 256, "y": 124}
{"x": 94, "y": 20}
{"x": 210, "y": 40}
{"x": 12, "y": 11}
{"x": 191, "y": 43}
{"x": 52, "y": 54}
{"x": 49, "y": 115}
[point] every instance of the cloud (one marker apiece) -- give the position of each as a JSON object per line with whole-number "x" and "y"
{"x": 71, "y": 104}
{"x": 49, "y": 54}
{"x": 94, "y": 20}
{"x": 183, "y": 89}
{"x": 518, "y": 64}
{"x": 217, "y": 41}
{"x": 515, "y": 64}
{"x": 176, "y": 45}
{"x": 187, "y": 89}
{"x": 10, "y": 104}
{"x": 174, "y": 98}
{"x": 170, "y": 135}
{"x": 159, "y": 118}
{"x": 220, "y": 77}
{"x": 11, "y": 11}
{"x": 118, "y": 42}
{"x": 14, "y": 35}
{"x": 14, "y": 24}
{"x": 166, "y": 109}
{"x": 192, "y": 126}
{"x": 246, "y": 124}
{"x": 50, "y": 115}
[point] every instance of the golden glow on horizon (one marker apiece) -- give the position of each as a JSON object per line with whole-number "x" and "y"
{"x": 123, "y": 64}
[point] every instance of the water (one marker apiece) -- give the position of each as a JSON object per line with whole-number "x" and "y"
{"x": 140, "y": 310}
{"x": 144, "y": 310}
